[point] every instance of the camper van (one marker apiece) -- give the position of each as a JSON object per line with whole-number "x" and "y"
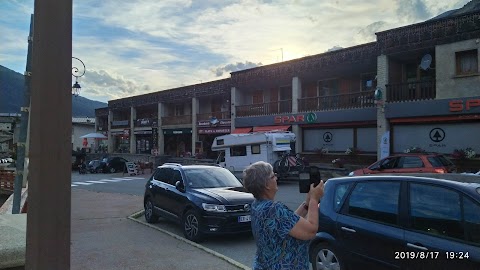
{"x": 237, "y": 151}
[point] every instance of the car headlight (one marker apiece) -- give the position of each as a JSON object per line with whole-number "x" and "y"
{"x": 214, "y": 207}
{"x": 351, "y": 174}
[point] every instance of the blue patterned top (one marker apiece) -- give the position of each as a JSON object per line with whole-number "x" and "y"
{"x": 276, "y": 249}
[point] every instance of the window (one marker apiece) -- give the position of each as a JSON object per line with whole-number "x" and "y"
{"x": 257, "y": 97}
{"x": 340, "y": 192}
{"x": 472, "y": 220}
{"x": 410, "y": 162}
{"x": 466, "y": 62}
{"x": 238, "y": 151}
{"x": 435, "y": 210}
{"x": 255, "y": 149}
{"x": 177, "y": 176}
{"x": 388, "y": 163}
{"x": 377, "y": 201}
{"x": 220, "y": 142}
{"x": 164, "y": 175}
{"x": 328, "y": 87}
{"x": 179, "y": 110}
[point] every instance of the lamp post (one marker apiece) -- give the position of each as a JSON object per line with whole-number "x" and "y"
{"x": 76, "y": 72}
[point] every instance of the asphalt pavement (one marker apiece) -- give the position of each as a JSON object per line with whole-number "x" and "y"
{"x": 105, "y": 235}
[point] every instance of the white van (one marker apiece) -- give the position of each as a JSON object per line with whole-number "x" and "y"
{"x": 237, "y": 151}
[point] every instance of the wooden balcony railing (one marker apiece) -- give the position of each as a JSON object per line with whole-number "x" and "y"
{"x": 218, "y": 115}
{"x": 343, "y": 101}
{"x": 269, "y": 108}
{"x": 176, "y": 120}
{"x": 419, "y": 90}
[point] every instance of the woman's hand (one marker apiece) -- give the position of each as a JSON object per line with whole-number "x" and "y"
{"x": 316, "y": 193}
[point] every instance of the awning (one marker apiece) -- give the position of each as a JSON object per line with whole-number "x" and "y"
{"x": 242, "y": 130}
{"x": 270, "y": 128}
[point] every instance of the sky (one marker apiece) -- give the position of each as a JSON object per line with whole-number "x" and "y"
{"x": 134, "y": 47}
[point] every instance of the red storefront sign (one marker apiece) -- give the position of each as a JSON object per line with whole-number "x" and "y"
{"x": 289, "y": 119}
{"x": 460, "y": 105}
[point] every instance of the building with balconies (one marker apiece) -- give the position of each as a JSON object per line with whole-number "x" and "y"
{"x": 427, "y": 74}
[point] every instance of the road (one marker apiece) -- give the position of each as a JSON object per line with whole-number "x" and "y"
{"x": 238, "y": 247}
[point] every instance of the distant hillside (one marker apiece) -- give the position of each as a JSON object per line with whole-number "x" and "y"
{"x": 12, "y": 89}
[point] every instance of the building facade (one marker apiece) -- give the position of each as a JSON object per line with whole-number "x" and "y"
{"x": 426, "y": 77}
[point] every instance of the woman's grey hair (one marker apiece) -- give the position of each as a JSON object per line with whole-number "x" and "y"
{"x": 255, "y": 177}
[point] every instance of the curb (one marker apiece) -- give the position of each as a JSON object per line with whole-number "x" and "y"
{"x": 138, "y": 214}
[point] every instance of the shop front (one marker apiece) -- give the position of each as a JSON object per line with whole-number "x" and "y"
{"x": 144, "y": 141}
{"x": 207, "y": 132}
{"x": 178, "y": 142}
{"x": 121, "y": 141}
{"x": 442, "y": 126}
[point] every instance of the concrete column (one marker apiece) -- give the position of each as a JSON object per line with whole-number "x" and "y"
{"x": 110, "y": 136}
{"x": 382, "y": 80}
{"x": 49, "y": 191}
{"x": 133, "y": 141}
{"x": 296, "y": 93}
{"x": 298, "y": 134}
{"x": 161, "y": 138}
{"x": 233, "y": 114}
{"x": 195, "y": 111}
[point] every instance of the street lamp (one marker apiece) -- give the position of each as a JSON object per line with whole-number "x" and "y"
{"x": 76, "y": 72}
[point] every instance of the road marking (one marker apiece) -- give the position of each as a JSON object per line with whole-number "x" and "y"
{"x": 130, "y": 177}
{"x": 96, "y": 182}
{"x": 83, "y": 183}
{"x": 123, "y": 179}
{"x": 74, "y": 185}
{"x": 111, "y": 180}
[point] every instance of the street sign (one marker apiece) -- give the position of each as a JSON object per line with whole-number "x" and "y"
{"x": 131, "y": 168}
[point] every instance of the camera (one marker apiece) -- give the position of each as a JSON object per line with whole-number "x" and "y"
{"x": 306, "y": 179}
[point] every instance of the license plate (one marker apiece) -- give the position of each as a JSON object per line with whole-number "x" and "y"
{"x": 244, "y": 218}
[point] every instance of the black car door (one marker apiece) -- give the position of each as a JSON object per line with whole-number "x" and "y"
{"x": 368, "y": 225}
{"x": 443, "y": 230}
{"x": 176, "y": 198}
{"x": 159, "y": 188}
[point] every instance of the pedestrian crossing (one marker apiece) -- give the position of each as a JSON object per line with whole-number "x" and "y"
{"x": 105, "y": 181}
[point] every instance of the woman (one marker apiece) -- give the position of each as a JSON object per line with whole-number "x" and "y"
{"x": 282, "y": 236}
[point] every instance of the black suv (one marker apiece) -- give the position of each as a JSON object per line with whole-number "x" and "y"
{"x": 204, "y": 199}
{"x": 398, "y": 222}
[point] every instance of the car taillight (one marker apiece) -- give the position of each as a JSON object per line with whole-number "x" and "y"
{"x": 440, "y": 170}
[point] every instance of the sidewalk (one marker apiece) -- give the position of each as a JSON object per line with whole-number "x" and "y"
{"x": 103, "y": 237}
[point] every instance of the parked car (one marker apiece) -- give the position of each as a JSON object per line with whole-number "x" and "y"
{"x": 114, "y": 164}
{"x": 95, "y": 166}
{"x": 203, "y": 199}
{"x": 410, "y": 163}
{"x": 398, "y": 222}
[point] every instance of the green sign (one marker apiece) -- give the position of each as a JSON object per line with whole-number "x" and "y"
{"x": 311, "y": 117}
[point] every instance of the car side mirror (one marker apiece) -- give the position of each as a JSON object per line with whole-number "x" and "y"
{"x": 179, "y": 185}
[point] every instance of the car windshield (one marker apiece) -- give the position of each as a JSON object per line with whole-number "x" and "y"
{"x": 210, "y": 178}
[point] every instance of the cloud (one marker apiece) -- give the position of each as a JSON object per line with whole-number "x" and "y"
{"x": 140, "y": 46}
{"x": 235, "y": 67}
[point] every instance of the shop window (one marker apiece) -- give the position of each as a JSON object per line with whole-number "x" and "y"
{"x": 237, "y": 151}
{"x": 466, "y": 62}
{"x": 256, "y": 149}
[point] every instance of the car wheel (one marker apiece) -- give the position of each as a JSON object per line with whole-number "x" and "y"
{"x": 150, "y": 217}
{"x": 112, "y": 170}
{"x": 325, "y": 257}
{"x": 191, "y": 226}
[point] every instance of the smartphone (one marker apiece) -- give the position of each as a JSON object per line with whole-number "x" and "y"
{"x": 312, "y": 178}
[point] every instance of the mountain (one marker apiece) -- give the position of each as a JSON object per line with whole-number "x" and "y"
{"x": 471, "y": 6}
{"x": 12, "y": 89}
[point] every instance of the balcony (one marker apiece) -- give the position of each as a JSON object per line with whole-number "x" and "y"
{"x": 176, "y": 120}
{"x": 218, "y": 115}
{"x": 269, "y": 108}
{"x": 336, "y": 102}
{"x": 121, "y": 124}
{"x": 419, "y": 90}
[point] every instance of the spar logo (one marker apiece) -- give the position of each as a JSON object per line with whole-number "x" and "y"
{"x": 311, "y": 117}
